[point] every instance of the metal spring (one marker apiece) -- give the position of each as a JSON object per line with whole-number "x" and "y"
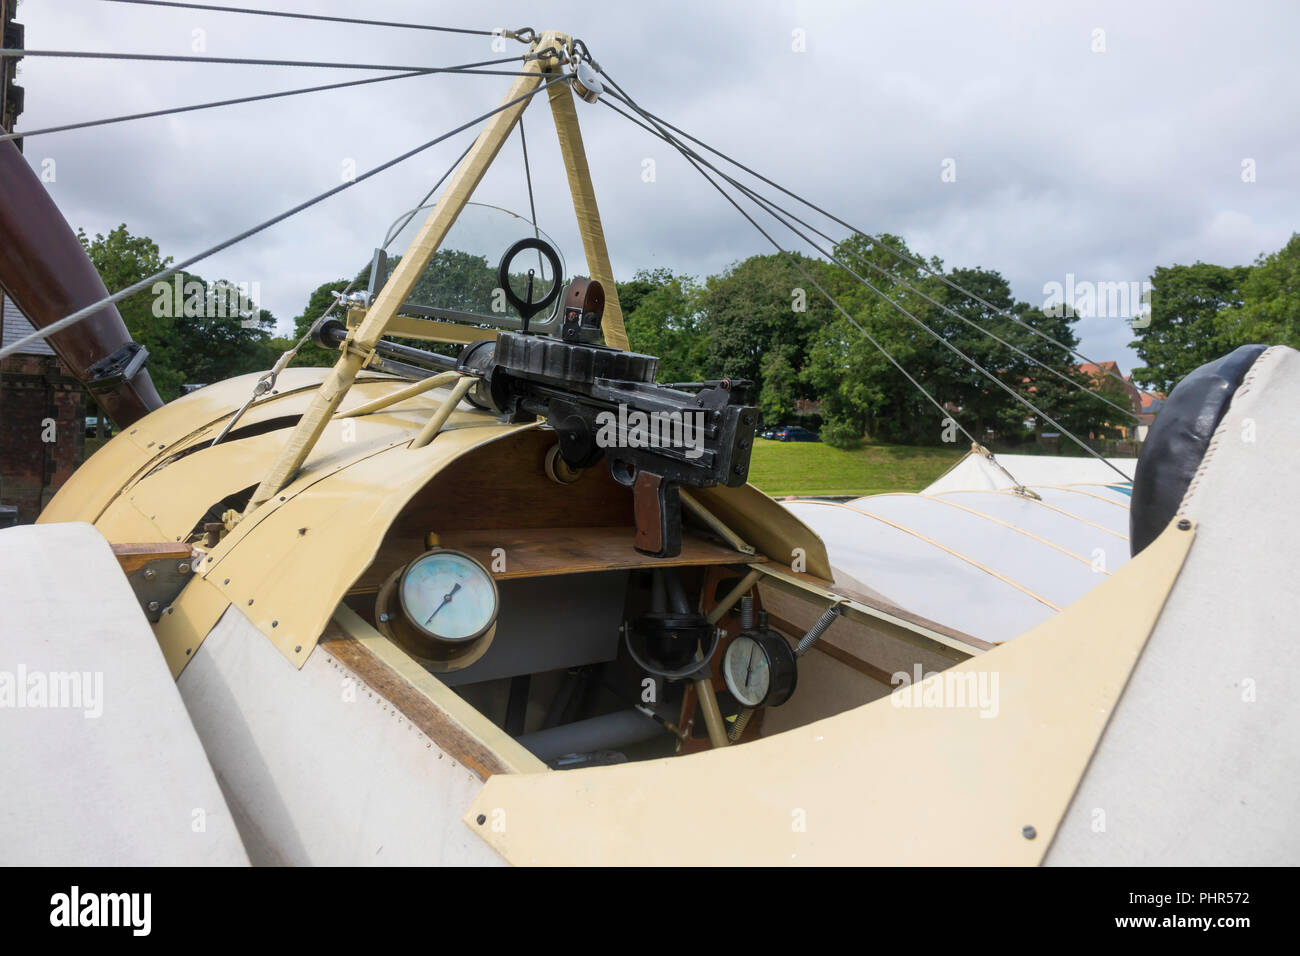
{"x": 817, "y": 630}
{"x": 747, "y": 613}
{"x": 739, "y": 724}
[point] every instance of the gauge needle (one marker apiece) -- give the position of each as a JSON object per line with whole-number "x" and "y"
{"x": 750, "y": 669}
{"x": 445, "y": 601}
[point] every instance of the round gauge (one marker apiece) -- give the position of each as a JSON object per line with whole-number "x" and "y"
{"x": 449, "y": 596}
{"x": 759, "y": 669}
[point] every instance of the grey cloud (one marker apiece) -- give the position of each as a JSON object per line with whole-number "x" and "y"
{"x": 1103, "y": 165}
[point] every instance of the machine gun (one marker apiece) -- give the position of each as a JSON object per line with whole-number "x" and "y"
{"x": 603, "y": 403}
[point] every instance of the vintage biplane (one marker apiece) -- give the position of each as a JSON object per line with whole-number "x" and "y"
{"x": 486, "y": 591}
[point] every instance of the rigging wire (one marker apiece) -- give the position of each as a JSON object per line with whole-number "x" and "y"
{"x": 314, "y": 16}
{"x": 148, "y": 281}
{"x": 471, "y": 69}
{"x": 203, "y": 106}
{"x": 875, "y": 241}
{"x": 532, "y": 206}
{"x": 770, "y": 206}
{"x": 266, "y": 382}
{"x": 687, "y": 155}
{"x": 947, "y": 417}
{"x": 905, "y": 312}
{"x": 394, "y": 233}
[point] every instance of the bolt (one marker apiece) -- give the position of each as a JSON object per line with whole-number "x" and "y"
{"x": 481, "y": 819}
{"x": 1184, "y": 525}
{"x": 148, "y": 574}
{"x": 298, "y": 649}
{"x": 153, "y": 607}
{"x": 1028, "y": 832}
{"x": 183, "y": 568}
{"x": 275, "y": 623}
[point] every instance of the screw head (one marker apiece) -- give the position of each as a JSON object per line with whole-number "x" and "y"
{"x": 153, "y": 607}
{"x": 183, "y": 567}
{"x": 148, "y": 574}
{"x": 1184, "y": 525}
{"x": 1028, "y": 832}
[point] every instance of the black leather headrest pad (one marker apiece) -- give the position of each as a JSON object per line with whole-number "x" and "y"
{"x": 1177, "y": 441}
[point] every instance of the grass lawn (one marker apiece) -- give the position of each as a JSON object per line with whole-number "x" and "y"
{"x": 813, "y": 468}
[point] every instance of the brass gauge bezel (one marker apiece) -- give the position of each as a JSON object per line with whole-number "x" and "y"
{"x": 436, "y": 652}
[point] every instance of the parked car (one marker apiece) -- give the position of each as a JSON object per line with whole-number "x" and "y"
{"x": 92, "y": 426}
{"x": 769, "y": 432}
{"x": 795, "y": 433}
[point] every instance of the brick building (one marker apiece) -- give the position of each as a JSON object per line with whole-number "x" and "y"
{"x": 42, "y": 420}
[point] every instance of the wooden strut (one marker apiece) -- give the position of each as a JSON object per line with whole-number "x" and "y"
{"x": 359, "y": 348}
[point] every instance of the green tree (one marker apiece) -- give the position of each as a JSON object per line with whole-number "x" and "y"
{"x": 663, "y": 318}
{"x": 196, "y": 332}
{"x": 1270, "y": 301}
{"x": 1185, "y": 329}
{"x": 318, "y": 303}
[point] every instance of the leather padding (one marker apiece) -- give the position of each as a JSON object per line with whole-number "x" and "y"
{"x": 1178, "y": 439}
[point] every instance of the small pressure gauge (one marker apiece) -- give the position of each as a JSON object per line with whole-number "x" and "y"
{"x": 442, "y": 607}
{"x": 759, "y": 669}
{"x": 449, "y": 596}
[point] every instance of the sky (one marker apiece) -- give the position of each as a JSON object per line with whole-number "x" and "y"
{"x": 1063, "y": 144}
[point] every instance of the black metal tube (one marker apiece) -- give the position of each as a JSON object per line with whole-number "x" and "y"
{"x": 676, "y": 593}
{"x": 331, "y": 334}
{"x": 517, "y": 705}
{"x": 610, "y": 731}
